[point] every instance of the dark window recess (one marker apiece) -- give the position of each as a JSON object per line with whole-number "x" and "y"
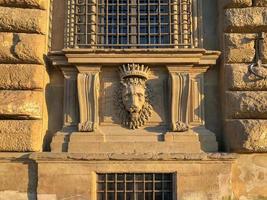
{"x": 135, "y": 186}
{"x": 129, "y": 24}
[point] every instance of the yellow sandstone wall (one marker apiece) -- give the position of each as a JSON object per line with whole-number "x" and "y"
{"x": 245, "y": 97}
{"x": 245, "y": 102}
{"x": 23, "y": 39}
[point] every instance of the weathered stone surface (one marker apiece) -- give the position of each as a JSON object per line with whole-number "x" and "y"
{"x": 20, "y": 135}
{"x": 263, "y": 49}
{"x": 249, "y": 174}
{"x": 21, "y": 48}
{"x": 235, "y": 3}
{"x": 246, "y": 135}
{"x": 15, "y": 76}
{"x": 247, "y": 105}
{"x": 261, "y": 2}
{"x": 21, "y": 104}
{"x": 22, "y": 20}
{"x": 41, "y": 4}
{"x": 237, "y": 77}
{"x": 239, "y": 48}
{"x": 251, "y": 19}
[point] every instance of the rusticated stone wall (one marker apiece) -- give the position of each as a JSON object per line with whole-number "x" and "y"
{"x": 23, "y": 30}
{"x": 245, "y": 95}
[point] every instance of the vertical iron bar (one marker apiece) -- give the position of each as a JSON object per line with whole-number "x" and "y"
{"x": 115, "y": 187}
{"x": 138, "y": 22}
{"x": 86, "y": 23}
{"x": 144, "y": 186}
{"x": 153, "y": 183}
{"x": 170, "y": 21}
{"x": 118, "y": 20}
{"x": 159, "y": 21}
{"x": 128, "y": 22}
{"x": 134, "y": 195}
{"x": 148, "y": 23}
{"x": 106, "y": 187}
{"x": 125, "y": 186}
{"x": 107, "y": 22}
{"x": 162, "y": 186}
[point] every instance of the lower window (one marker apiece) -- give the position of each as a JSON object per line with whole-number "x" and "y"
{"x": 135, "y": 186}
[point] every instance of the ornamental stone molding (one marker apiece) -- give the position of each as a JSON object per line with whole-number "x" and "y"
{"x": 133, "y": 101}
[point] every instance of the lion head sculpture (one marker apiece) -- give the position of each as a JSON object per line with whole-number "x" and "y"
{"x": 134, "y": 96}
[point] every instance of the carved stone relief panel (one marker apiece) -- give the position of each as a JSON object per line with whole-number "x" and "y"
{"x": 114, "y": 109}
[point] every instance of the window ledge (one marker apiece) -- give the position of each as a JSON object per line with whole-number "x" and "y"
{"x": 145, "y": 56}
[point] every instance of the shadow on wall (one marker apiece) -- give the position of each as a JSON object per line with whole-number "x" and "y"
{"x": 54, "y": 95}
{"x": 212, "y": 101}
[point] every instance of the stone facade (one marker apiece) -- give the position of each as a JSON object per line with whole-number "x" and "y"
{"x": 59, "y": 125}
{"x": 244, "y": 92}
{"x": 23, "y": 29}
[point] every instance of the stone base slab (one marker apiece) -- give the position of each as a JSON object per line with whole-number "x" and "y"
{"x": 194, "y": 141}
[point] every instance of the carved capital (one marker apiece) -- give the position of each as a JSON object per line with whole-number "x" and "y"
{"x": 88, "y": 94}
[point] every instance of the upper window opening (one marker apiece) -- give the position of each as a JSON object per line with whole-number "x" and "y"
{"x": 131, "y": 24}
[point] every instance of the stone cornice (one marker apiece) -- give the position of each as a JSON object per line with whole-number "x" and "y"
{"x": 58, "y": 157}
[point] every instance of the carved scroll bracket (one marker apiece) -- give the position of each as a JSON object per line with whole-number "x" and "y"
{"x": 88, "y": 93}
{"x": 179, "y": 82}
{"x": 187, "y": 97}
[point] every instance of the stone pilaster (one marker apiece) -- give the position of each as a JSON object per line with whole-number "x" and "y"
{"x": 23, "y": 31}
{"x": 70, "y": 97}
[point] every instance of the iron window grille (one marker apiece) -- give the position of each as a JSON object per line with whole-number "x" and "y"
{"x": 133, "y": 24}
{"x": 135, "y": 186}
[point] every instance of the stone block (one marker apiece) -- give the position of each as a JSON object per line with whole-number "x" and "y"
{"x": 20, "y": 135}
{"x": 246, "y": 105}
{"x": 261, "y": 3}
{"x": 39, "y": 4}
{"x": 235, "y": 3}
{"x": 238, "y": 77}
{"x": 249, "y": 174}
{"x": 251, "y": 19}
{"x": 21, "y": 104}
{"x": 22, "y": 20}
{"x": 246, "y": 135}
{"x": 21, "y": 48}
{"x": 21, "y": 76}
{"x": 239, "y": 48}
{"x": 263, "y": 49}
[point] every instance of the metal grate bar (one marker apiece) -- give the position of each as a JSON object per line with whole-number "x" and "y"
{"x": 129, "y": 24}
{"x": 135, "y": 186}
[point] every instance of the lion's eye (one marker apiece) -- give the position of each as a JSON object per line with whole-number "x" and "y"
{"x": 126, "y": 97}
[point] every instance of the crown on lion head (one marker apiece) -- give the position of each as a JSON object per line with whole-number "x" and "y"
{"x": 133, "y": 70}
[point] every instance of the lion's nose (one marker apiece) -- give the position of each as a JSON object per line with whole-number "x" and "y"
{"x": 133, "y": 108}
